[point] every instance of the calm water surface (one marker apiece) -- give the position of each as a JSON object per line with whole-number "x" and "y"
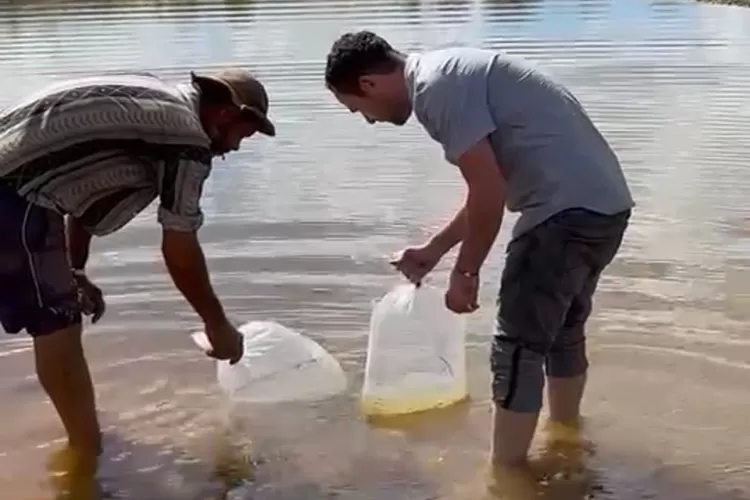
{"x": 299, "y": 227}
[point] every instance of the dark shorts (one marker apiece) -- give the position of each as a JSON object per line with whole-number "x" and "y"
{"x": 545, "y": 298}
{"x": 37, "y": 289}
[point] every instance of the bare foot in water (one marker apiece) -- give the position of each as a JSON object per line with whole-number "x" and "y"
{"x": 73, "y": 475}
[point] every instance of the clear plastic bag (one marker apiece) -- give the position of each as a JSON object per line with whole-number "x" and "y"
{"x": 279, "y": 365}
{"x": 416, "y": 353}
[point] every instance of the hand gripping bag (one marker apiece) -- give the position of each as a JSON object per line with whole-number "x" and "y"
{"x": 278, "y": 365}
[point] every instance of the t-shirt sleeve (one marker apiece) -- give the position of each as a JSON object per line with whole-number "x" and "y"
{"x": 181, "y": 179}
{"x": 454, "y": 110}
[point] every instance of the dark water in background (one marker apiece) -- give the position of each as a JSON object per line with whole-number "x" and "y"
{"x": 298, "y": 228}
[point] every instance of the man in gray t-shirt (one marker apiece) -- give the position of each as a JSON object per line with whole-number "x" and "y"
{"x": 520, "y": 140}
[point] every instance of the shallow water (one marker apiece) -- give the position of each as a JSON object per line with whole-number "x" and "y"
{"x": 299, "y": 227}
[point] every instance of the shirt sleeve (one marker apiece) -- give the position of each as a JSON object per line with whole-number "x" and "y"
{"x": 181, "y": 179}
{"x": 454, "y": 110}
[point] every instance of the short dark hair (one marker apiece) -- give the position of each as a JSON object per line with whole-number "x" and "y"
{"x": 354, "y": 55}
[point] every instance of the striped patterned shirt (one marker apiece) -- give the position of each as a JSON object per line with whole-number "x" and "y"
{"x": 103, "y": 148}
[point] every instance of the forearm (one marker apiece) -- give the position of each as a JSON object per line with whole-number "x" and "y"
{"x": 79, "y": 243}
{"x": 186, "y": 264}
{"x": 484, "y": 215}
{"x": 452, "y": 234}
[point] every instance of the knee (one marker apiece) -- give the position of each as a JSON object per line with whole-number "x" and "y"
{"x": 567, "y": 358}
{"x": 58, "y": 347}
{"x": 517, "y": 376}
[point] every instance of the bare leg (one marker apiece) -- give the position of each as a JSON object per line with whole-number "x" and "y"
{"x": 511, "y": 437}
{"x": 64, "y": 374}
{"x": 565, "y": 395}
{"x": 563, "y": 431}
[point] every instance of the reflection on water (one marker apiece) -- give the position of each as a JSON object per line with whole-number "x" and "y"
{"x": 299, "y": 228}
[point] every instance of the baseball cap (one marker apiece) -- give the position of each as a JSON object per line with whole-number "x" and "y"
{"x": 247, "y": 93}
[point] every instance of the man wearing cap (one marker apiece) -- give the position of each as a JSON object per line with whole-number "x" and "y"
{"x": 83, "y": 157}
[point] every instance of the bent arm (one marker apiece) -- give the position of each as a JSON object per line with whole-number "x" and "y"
{"x": 454, "y": 109}
{"x": 452, "y": 233}
{"x": 180, "y": 189}
{"x": 485, "y": 205}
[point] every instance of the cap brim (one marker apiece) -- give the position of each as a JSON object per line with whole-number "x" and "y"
{"x": 265, "y": 126}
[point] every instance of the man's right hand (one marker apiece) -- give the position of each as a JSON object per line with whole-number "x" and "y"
{"x": 226, "y": 342}
{"x": 416, "y": 262}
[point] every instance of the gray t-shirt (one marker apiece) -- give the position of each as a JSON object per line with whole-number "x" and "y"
{"x": 552, "y": 155}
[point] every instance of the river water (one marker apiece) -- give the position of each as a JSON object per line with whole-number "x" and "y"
{"x": 299, "y": 229}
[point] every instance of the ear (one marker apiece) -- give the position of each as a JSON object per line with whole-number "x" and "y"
{"x": 217, "y": 116}
{"x": 212, "y": 112}
{"x": 226, "y": 114}
{"x": 366, "y": 84}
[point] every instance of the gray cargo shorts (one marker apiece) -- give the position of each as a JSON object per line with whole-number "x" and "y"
{"x": 546, "y": 293}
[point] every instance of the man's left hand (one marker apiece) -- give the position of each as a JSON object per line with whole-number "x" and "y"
{"x": 91, "y": 297}
{"x": 462, "y": 294}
